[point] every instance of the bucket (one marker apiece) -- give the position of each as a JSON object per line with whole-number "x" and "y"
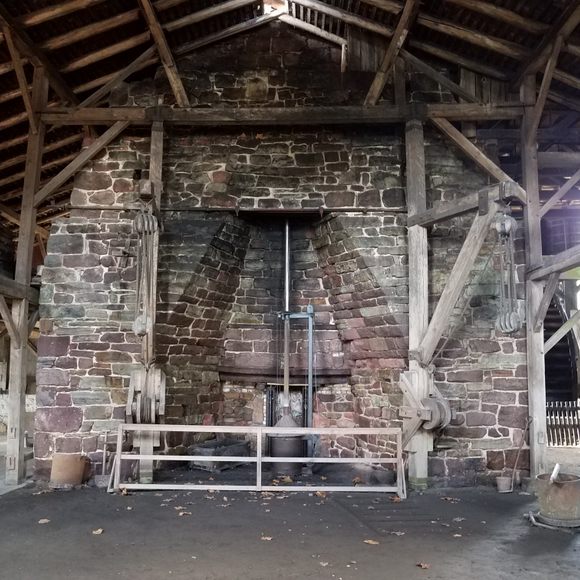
{"x": 504, "y": 484}
{"x": 68, "y": 470}
{"x": 559, "y": 501}
{"x": 286, "y": 447}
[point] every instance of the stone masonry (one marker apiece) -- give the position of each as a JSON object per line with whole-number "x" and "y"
{"x": 220, "y": 273}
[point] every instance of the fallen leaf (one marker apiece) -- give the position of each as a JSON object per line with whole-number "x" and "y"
{"x": 395, "y": 499}
{"x": 321, "y": 493}
{"x": 266, "y": 538}
{"x": 129, "y": 508}
{"x": 457, "y": 535}
{"x": 43, "y": 521}
{"x": 398, "y": 533}
{"x": 451, "y": 499}
{"x": 372, "y": 542}
{"x": 357, "y": 481}
{"x": 98, "y": 532}
{"x": 124, "y": 492}
{"x": 423, "y": 565}
{"x": 323, "y": 477}
{"x": 323, "y": 564}
{"x": 458, "y": 519}
{"x": 286, "y": 479}
{"x": 184, "y": 513}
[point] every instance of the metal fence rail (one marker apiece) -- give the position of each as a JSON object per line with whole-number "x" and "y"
{"x": 563, "y": 419}
{"x": 259, "y": 459}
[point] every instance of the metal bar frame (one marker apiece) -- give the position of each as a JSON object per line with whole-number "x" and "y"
{"x": 259, "y": 459}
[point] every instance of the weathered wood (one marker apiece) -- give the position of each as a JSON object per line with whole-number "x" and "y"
{"x": 561, "y": 332}
{"x": 206, "y": 13}
{"x": 165, "y": 53}
{"x": 570, "y": 183}
{"x": 454, "y": 286}
{"x": 430, "y": 72}
{"x": 398, "y": 39}
{"x": 536, "y": 115}
{"x": 21, "y": 174}
{"x": 558, "y": 159}
{"x": 56, "y": 11}
{"x": 297, "y": 23}
{"x": 81, "y": 159}
{"x": 18, "y": 354}
{"x": 534, "y": 290}
{"x": 422, "y": 442}
{"x": 475, "y": 154}
{"x": 11, "y": 216}
{"x": 458, "y": 207}
{"x": 8, "y": 321}
{"x": 549, "y": 290}
{"x": 12, "y": 289}
{"x": 503, "y": 15}
{"x": 560, "y": 262}
{"x": 228, "y": 32}
{"x": 27, "y": 47}
{"x": 20, "y": 76}
{"x": 400, "y": 82}
{"x": 258, "y": 116}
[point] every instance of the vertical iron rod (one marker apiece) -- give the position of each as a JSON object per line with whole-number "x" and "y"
{"x": 286, "y": 402}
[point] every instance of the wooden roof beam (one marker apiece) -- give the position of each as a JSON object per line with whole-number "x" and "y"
{"x": 56, "y": 11}
{"x": 14, "y": 218}
{"x": 568, "y": 186}
{"x": 21, "y": 175}
{"x": 399, "y": 36}
{"x": 38, "y": 57}
{"x": 165, "y": 53}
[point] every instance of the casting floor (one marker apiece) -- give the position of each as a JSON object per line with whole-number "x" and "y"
{"x": 453, "y": 534}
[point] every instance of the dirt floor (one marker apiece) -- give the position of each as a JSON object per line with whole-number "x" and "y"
{"x": 440, "y": 534}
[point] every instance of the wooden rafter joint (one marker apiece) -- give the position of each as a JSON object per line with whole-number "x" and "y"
{"x": 557, "y": 263}
{"x": 11, "y": 327}
{"x": 549, "y": 290}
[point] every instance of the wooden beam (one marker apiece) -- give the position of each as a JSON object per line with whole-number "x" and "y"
{"x": 307, "y": 27}
{"x": 564, "y": 26}
{"x": 20, "y": 76}
{"x": 83, "y": 157}
{"x": 11, "y": 216}
{"x": 6, "y": 316}
{"x": 398, "y": 39}
{"x": 570, "y": 183}
{"x": 22, "y": 174}
{"x": 439, "y": 78}
{"x": 38, "y": 57}
{"x": 57, "y": 11}
{"x": 15, "y": 290}
{"x": 475, "y": 154}
{"x": 454, "y": 287}
{"x": 15, "y": 467}
{"x": 445, "y": 211}
{"x": 165, "y": 53}
{"x": 510, "y": 17}
{"x": 538, "y": 110}
{"x": 560, "y": 262}
{"x": 206, "y": 13}
{"x": 260, "y": 116}
{"x": 549, "y": 290}
{"x": 418, "y": 250}
{"x": 561, "y": 332}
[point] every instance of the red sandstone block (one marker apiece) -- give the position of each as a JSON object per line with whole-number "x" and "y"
{"x": 53, "y": 345}
{"x": 58, "y": 419}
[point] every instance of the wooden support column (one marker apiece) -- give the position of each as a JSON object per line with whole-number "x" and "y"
{"x": 15, "y": 467}
{"x": 422, "y": 442}
{"x": 534, "y": 289}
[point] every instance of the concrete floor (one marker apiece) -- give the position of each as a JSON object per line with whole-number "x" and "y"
{"x": 459, "y": 534}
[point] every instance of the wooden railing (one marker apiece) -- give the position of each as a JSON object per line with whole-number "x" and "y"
{"x": 563, "y": 419}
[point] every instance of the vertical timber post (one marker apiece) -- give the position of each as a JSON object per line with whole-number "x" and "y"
{"x": 534, "y": 289}
{"x": 15, "y": 465}
{"x": 422, "y": 442}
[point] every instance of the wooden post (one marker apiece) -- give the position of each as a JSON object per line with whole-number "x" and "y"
{"x": 422, "y": 442}
{"x": 534, "y": 289}
{"x": 15, "y": 467}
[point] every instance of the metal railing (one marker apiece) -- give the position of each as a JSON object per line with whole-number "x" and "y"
{"x": 563, "y": 421}
{"x": 259, "y": 459}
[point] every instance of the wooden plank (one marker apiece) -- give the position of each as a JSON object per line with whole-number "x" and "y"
{"x": 444, "y": 211}
{"x": 15, "y": 467}
{"x": 8, "y": 321}
{"x": 38, "y": 57}
{"x": 570, "y": 183}
{"x": 57, "y": 11}
{"x": 454, "y": 286}
{"x": 165, "y": 53}
{"x": 562, "y": 332}
{"x": 536, "y": 115}
{"x": 399, "y": 36}
{"x": 418, "y": 250}
{"x": 475, "y": 154}
{"x": 258, "y": 116}
{"x": 297, "y": 23}
{"x": 83, "y": 157}
{"x": 557, "y": 263}
{"x": 549, "y": 290}
{"x": 11, "y": 216}
{"x": 430, "y": 72}
{"x": 400, "y": 82}
{"x": 20, "y": 76}
{"x": 12, "y": 289}
{"x": 534, "y": 290}
{"x": 204, "y": 14}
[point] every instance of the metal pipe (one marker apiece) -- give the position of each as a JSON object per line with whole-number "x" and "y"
{"x": 287, "y": 266}
{"x": 286, "y": 402}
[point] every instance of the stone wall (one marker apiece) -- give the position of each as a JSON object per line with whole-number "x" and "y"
{"x": 220, "y": 274}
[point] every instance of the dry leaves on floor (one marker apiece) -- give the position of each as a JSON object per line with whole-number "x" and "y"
{"x": 357, "y": 481}
{"x": 98, "y": 532}
{"x": 372, "y": 542}
{"x": 184, "y": 513}
{"x": 266, "y": 538}
{"x": 423, "y": 565}
{"x": 43, "y": 521}
{"x": 395, "y": 499}
{"x": 321, "y": 493}
{"x": 323, "y": 564}
{"x": 451, "y": 499}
